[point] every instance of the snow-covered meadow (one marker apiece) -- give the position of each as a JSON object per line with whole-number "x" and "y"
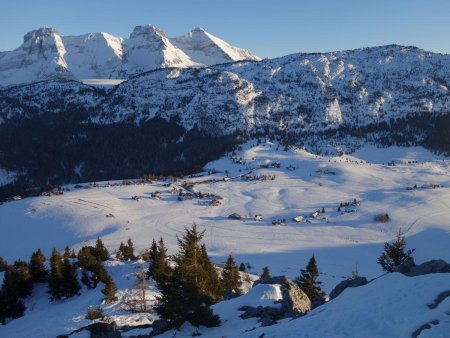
{"x": 303, "y": 183}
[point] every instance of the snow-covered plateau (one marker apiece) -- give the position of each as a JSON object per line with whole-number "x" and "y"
{"x": 410, "y": 184}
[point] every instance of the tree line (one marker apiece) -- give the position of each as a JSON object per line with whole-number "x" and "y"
{"x": 189, "y": 283}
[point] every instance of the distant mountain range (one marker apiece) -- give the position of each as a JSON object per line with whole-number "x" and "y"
{"x": 45, "y": 54}
{"x": 178, "y": 117}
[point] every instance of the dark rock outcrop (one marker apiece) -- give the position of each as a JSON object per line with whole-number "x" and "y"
{"x": 348, "y": 283}
{"x": 434, "y": 266}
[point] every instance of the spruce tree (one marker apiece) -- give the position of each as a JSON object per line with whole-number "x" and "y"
{"x": 231, "y": 279}
{"x": 11, "y": 304}
{"x": 242, "y": 267}
{"x": 394, "y": 253}
{"x": 37, "y": 267}
{"x": 109, "y": 290}
{"x": 126, "y": 251}
{"x": 185, "y": 293}
{"x": 120, "y": 252}
{"x": 309, "y": 284}
{"x": 86, "y": 258}
{"x": 212, "y": 285}
{"x": 154, "y": 251}
{"x": 67, "y": 253}
{"x": 265, "y": 274}
{"x": 101, "y": 252}
{"x": 85, "y": 279}
{"x": 71, "y": 287}
{"x": 24, "y": 279}
{"x": 55, "y": 278}
{"x": 159, "y": 267}
{"x": 3, "y": 264}
{"x": 130, "y": 250}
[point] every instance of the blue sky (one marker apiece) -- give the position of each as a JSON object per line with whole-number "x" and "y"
{"x": 267, "y": 28}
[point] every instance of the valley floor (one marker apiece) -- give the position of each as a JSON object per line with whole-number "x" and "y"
{"x": 263, "y": 180}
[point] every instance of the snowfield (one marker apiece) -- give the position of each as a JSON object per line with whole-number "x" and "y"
{"x": 303, "y": 183}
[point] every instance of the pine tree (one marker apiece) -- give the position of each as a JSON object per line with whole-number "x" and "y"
{"x": 71, "y": 287}
{"x": 11, "y": 304}
{"x": 67, "y": 253}
{"x": 212, "y": 285}
{"x": 159, "y": 267}
{"x": 55, "y": 278}
{"x": 242, "y": 267}
{"x": 191, "y": 287}
{"x": 154, "y": 251}
{"x": 3, "y": 264}
{"x": 265, "y": 274}
{"x": 231, "y": 279}
{"x": 101, "y": 252}
{"x": 394, "y": 253}
{"x": 126, "y": 251}
{"x": 309, "y": 284}
{"x": 24, "y": 279}
{"x": 109, "y": 290}
{"x": 120, "y": 252}
{"x": 86, "y": 258}
{"x": 130, "y": 250}
{"x": 37, "y": 268}
{"x": 85, "y": 279}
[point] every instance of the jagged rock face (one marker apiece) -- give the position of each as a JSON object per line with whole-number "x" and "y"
{"x": 348, "y": 283}
{"x": 41, "y": 56}
{"x": 294, "y": 300}
{"x": 45, "y": 54}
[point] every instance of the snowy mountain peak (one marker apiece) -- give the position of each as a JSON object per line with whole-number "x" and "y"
{"x": 147, "y": 30}
{"x": 45, "y": 54}
{"x": 39, "y": 33}
{"x": 196, "y": 30}
{"x": 149, "y": 48}
{"x": 207, "y": 49}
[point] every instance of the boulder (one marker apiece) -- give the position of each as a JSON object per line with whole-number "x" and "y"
{"x": 406, "y": 266}
{"x": 434, "y": 266}
{"x": 294, "y": 301}
{"x": 234, "y": 216}
{"x": 348, "y": 283}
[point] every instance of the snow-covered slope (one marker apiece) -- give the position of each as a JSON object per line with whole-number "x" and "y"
{"x": 296, "y": 93}
{"x": 339, "y": 239}
{"x": 206, "y": 49}
{"x": 45, "y": 54}
{"x": 94, "y": 55}
{"x": 392, "y": 306}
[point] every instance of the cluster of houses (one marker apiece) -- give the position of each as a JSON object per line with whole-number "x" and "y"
{"x": 424, "y": 186}
{"x": 259, "y": 177}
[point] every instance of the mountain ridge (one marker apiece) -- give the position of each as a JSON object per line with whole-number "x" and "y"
{"x": 330, "y": 103}
{"x": 45, "y": 54}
